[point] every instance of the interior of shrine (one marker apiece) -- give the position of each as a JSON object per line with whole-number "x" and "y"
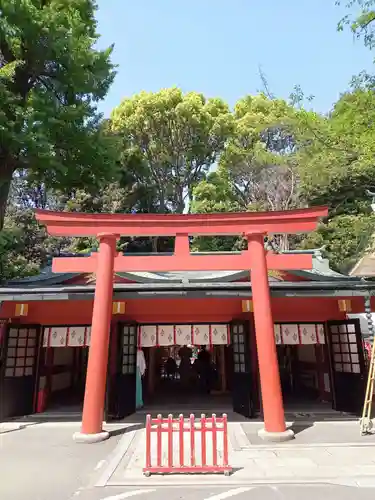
{"x": 63, "y": 374}
{"x": 303, "y": 374}
{"x": 173, "y": 379}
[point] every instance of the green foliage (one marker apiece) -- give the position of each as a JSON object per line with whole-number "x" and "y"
{"x": 215, "y": 194}
{"x": 167, "y": 151}
{"x": 12, "y": 263}
{"x": 175, "y": 139}
{"x": 51, "y": 78}
{"x": 259, "y": 155}
{"x": 336, "y": 168}
{"x": 362, "y": 23}
{"x": 21, "y": 246}
{"x": 257, "y": 168}
{"x": 344, "y": 238}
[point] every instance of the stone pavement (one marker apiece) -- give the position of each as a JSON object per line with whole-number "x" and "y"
{"x": 254, "y": 492}
{"x": 329, "y": 452}
{"x": 42, "y": 462}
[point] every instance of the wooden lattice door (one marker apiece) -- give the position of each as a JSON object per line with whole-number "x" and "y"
{"x": 19, "y": 371}
{"x": 348, "y": 365}
{"x": 122, "y": 395}
{"x": 242, "y": 385}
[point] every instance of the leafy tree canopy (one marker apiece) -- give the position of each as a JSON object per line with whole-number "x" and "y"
{"x": 336, "y": 168}
{"x": 257, "y": 169}
{"x": 360, "y": 20}
{"x": 175, "y": 138}
{"x": 51, "y": 78}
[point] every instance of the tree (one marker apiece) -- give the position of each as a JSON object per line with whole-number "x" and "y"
{"x": 336, "y": 168}
{"x": 215, "y": 194}
{"x": 259, "y": 156}
{"x": 25, "y": 246}
{"x": 51, "y": 78}
{"x": 362, "y": 24}
{"x": 336, "y": 157}
{"x": 175, "y": 137}
{"x": 344, "y": 238}
{"x": 257, "y": 168}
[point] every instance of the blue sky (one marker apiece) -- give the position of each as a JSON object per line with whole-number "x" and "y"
{"x": 216, "y": 47}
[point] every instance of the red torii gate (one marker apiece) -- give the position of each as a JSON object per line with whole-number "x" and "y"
{"x": 108, "y": 228}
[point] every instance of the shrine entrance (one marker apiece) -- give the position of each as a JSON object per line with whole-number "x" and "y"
{"x": 189, "y": 367}
{"x": 211, "y": 372}
{"x": 62, "y": 368}
{"x": 254, "y": 227}
{"x": 303, "y": 363}
{"x": 321, "y": 366}
{"x": 62, "y": 380}
{"x": 176, "y": 379}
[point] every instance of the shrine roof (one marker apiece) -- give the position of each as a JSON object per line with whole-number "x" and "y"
{"x": 124, "y": 291}
{"x": 320, "y": 272}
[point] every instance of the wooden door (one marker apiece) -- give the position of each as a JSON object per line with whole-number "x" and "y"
{"x": 348, "y": 366}
{"x": 242, "y": 393}
{"x": 121, "y": 400}
{"x": 18, "y": 371}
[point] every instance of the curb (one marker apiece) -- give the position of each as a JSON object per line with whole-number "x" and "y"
{"x": 300, "y": 446}
{"x": 190, "y": 481}
{"x": 9, "y": 427}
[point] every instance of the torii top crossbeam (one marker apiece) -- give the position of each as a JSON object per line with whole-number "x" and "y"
{"x": 181, "y": 227}
{"x": 235, "y": 223}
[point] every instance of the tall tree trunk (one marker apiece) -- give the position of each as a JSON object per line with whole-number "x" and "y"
{"x": 155, "y": 239}
{"x": 6, "y": 174}
{"x": 154, "y": 243}
{"x": 284, "y": 243}
{"x": 180, "y": 200}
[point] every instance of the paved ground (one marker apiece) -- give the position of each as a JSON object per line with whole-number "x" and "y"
{"x": 309, "y": 432}
{"x": 264, "y": 492}
{"x": 334, "y": 451}
{"x": 41, "y": 462}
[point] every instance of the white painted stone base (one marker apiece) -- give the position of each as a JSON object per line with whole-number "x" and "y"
{"x": 276, "y": 437}
{"x": 79, "y": 437}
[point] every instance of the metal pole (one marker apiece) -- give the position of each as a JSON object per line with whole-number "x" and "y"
{"x": 366, "y": 422}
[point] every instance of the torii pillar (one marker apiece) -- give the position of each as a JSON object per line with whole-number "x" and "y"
{"x": 93, "y": 405}
{"x": 255, "y": 225}
{"x": 273, "y": 408}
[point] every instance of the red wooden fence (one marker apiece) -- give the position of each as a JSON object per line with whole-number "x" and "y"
{"x": 198, "y": 431}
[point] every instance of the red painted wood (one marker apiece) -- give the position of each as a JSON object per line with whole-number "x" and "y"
{"x": 225, "y": 445}
{"x": 41, "y": 401}
{"x": 93, "y": 405}
{"x": 148, "y": 441}
{"x": 181, "y": 439}
{"x": 203, "y": 434}
{"x": 192, "y": 440}
{"x": 206, "y": 425}
{"x": 170, "y": 441}
{"x": 182, "y": 244}
{"x": 188, "y": 470}
{"x": 272, "y": 401}
{"x": 214, "y": 441}
{"x": 183, "y": 310}
{"x": 158, "y": 422}
{"x": 79, "y": 224}
{"x": 182, "y": 262}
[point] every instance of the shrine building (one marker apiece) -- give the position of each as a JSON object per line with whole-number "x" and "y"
{"x": 276, "y": 325}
